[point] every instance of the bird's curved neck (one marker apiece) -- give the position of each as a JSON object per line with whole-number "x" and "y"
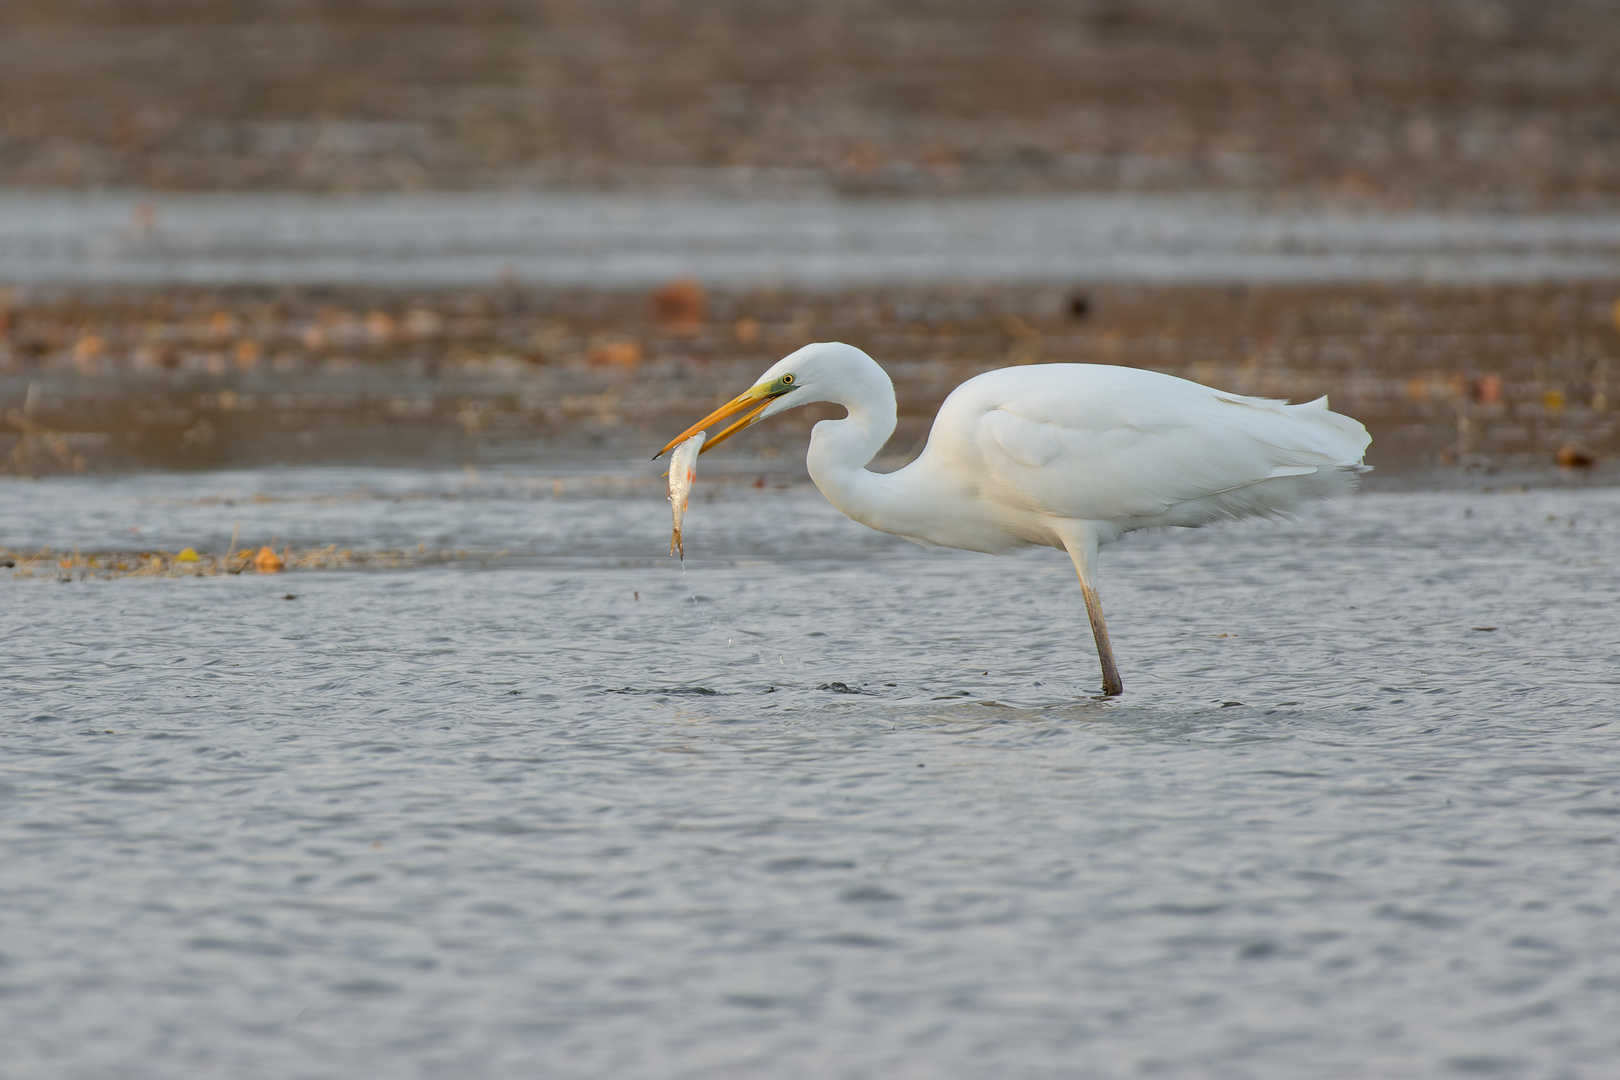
{"x": 840, "y": 450}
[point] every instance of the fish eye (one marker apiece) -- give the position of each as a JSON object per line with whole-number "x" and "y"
{"x": 787, "y": 380}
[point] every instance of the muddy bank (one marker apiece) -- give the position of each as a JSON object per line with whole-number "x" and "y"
{"x": 1457, "y": 101}
{"x": 1505, "y": 376}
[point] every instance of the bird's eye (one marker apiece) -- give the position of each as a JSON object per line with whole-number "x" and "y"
{"x": 787, "y": 380}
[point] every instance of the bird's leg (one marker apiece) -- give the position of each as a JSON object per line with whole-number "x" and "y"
{"x": 1112, "y": 687}
{"x": 1082, "y": 549}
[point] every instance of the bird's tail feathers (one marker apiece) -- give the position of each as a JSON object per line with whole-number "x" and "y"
{"x": 1320, "y": 437}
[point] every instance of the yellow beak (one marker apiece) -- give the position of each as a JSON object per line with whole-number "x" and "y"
{"x": 758, "y": 397}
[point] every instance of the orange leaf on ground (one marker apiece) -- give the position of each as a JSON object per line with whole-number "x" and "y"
{"x": 267, "y": 561}
{"x": 678, "y": 307}
{"x": 614, "y": 350}
{"x": 1571, "y": 456}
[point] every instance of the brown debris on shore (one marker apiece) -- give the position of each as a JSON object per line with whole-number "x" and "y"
{"x": 110, "y": 565}
{"x": 200, "y": 378}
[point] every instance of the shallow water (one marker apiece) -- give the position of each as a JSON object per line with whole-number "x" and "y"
{"x": 821, "y": 804}
{"x": 614, "y": 240}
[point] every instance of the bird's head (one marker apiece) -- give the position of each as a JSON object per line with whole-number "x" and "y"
{"x": 811, "y": 374}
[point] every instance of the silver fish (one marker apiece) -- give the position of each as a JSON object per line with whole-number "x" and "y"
{"x": 682, "y": 474}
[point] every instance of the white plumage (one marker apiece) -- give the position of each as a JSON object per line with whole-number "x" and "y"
{"x": 1070, "y": 456}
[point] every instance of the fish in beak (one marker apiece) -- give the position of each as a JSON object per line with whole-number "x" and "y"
{"x": 682, "y": 475}
{"x": 751, "y": 403}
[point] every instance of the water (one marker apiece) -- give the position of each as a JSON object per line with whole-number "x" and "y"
{"x": 821, "y": 804}
{"x": 616, "y": 240}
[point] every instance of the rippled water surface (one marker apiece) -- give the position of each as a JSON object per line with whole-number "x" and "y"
{"x": 821, "y": 804}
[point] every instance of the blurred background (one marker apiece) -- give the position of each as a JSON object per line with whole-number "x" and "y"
{"x": 554, "y": 231}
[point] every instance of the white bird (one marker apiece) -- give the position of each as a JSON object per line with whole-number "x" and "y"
{"x": 1070, "y": 456}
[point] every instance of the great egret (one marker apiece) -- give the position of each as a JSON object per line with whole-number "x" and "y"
{"x": 1069, "y": 456}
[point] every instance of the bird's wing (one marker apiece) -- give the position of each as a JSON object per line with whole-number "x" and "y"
{"x": 1103, "y": 444}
